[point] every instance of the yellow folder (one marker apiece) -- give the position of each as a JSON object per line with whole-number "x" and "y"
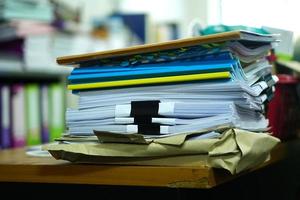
{"x": 147, "y": 81}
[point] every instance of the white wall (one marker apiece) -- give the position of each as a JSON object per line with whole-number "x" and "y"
{"x": 92, "y": 9}
{"x": 282, "y": 14}
{"x": 180, "y": 11}
{"x": 159, "y": 11}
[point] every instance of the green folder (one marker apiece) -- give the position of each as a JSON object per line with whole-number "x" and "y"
{"x": 56, "y": 110}
{"x": 33, "y": 118}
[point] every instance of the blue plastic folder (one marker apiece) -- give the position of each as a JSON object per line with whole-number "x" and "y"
{"x": 153, "y": 71}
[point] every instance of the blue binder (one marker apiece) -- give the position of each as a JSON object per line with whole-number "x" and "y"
{"x": 214, "y": 58}
{"x": 169, "y": 70}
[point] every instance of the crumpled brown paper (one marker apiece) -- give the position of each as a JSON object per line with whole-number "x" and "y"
{"x": 236, "y": 150}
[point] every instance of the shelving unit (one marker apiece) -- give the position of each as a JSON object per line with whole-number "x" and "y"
{"x": 27, "y": 105}
{"x": 33, "y": 75}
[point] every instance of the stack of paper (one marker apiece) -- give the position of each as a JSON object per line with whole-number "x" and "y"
{"x": 184, "y": 102}
{"x": 174, "y": 87}
{"x": 25, "y": 30}
{"x": 26, "y": 9}
{"x": 229, "y": 149}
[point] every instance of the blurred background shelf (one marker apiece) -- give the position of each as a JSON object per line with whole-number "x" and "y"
{"x": 14, "y": 75}
{"x": 292, "y": 65}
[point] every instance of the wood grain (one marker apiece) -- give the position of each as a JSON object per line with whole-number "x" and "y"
{"x": 16, "y": 166}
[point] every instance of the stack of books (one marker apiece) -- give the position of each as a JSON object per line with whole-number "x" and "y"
{"x": 168, "y": 96}
{"x": 20, "y": 22}
{"x": 190, "y": 85}
{"x": 26, "y": 9}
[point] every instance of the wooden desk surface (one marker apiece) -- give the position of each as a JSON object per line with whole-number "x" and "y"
{"x": 16, "y": 166}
